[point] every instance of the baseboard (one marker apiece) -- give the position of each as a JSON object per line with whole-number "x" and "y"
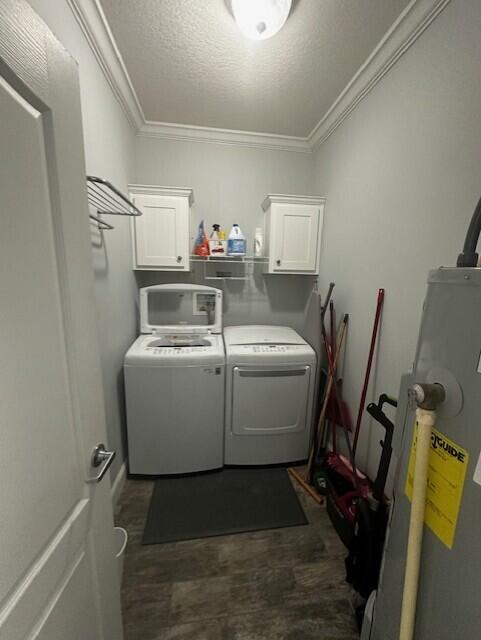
{"x": 118, "y": 483}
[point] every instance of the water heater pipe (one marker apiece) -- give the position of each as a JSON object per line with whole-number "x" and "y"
{"x": 469, "y": 257}
{"x": 427, "y": 396}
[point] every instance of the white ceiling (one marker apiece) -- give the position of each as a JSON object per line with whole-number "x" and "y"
{"x": 190, "y": 65}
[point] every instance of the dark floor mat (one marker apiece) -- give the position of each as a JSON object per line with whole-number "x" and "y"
{"x": 220, "y": 503}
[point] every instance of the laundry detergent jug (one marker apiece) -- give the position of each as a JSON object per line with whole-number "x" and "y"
{"x": 236, "y": 242}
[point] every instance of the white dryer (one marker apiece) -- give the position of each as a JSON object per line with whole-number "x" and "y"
{"x": 174, "y": 382}
{"x": 270, "y": 378}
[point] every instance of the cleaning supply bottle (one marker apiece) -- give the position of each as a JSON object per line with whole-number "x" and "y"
{"x": 259, "y": 243}
{"x": 223, "y": 240}
{"x": 236, "y": 243}
{"x": 201, "y": 245}
{"x": 215, "y": 245}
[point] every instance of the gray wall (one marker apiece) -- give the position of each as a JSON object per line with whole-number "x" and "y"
{"x": 402, "y": 176}
{"x": 109, "y": 141}
{"x": 229, "y": 185}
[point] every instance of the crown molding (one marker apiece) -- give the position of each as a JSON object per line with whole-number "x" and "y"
{"x": 412, "y": 22}
{"x": 91, "y": 18}
{"x": 192, "y": 133}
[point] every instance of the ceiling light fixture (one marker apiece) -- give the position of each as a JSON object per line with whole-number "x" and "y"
{"x": 260, "y": 19}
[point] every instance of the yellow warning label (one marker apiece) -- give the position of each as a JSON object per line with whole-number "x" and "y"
{"x": 447, "y": 469}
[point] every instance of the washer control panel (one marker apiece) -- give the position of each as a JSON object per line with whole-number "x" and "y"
{"x": 176, "y": 351}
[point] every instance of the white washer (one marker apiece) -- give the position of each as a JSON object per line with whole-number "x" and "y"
{"x": 175, "y": 380}
{"x": 270, "y": 378}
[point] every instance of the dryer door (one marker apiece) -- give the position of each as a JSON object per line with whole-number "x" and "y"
{"x": 269, "y": 401}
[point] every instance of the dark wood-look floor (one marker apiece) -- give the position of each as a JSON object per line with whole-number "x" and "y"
{"x": 282, "y": 584}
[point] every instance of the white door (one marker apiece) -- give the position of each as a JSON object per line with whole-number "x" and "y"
{"x": 295, "y": 237}
{"x": 57, "y": 567}
{"x": 162, "y": 232}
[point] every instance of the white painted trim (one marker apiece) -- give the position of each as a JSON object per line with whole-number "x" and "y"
{"x": 412, "y": 22}
{"x": 149, "y": 189}
{"x": 192, "y": 133}
{"x": 91, "y": 18}
{"x": 410, "y": 25}
{"x": 283, "y": 198}
{"x": 118, "y": 483}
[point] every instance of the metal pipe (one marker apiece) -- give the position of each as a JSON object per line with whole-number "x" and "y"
{"x": 468, "y": 257}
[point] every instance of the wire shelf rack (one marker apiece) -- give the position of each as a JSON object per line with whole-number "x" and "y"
{"x": 229, "y": 268}
{"x": 226, "y": 259}
{"x": 108, "y": 200}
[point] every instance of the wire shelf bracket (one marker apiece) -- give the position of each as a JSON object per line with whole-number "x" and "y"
{"x": 101, "y": 224}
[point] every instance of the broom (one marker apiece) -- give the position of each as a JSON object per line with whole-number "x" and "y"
{"x": 304, "y": 482}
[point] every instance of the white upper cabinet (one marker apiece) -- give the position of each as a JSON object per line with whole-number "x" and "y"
{"x": 293, "y": 233}
{"x": 160, "y": 236}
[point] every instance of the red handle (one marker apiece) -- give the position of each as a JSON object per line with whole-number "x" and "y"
{"x": 362, "y": 403}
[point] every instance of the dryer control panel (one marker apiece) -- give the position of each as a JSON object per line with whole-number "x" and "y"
{"x": 272, "y": 348}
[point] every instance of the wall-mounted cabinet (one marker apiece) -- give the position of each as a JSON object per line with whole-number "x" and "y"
{"x": 161, "y": 236}
{"x": 293, "y": 233}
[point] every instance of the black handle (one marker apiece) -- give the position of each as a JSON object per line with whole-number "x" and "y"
{"x": 328, "y": 298}
{"x": 375, "y": 410}
{"x": 385, "y": 399}
{"x": 379, "y": 415}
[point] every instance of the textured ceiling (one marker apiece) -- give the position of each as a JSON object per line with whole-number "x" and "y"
{"x": 190, "y": 65}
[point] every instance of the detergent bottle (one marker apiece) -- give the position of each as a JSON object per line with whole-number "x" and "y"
{"x": 236, "y": 242}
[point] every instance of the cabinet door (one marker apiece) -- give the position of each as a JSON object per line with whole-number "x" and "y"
{"x": 161, "y": 234}
{"x": 295, "y": 238}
